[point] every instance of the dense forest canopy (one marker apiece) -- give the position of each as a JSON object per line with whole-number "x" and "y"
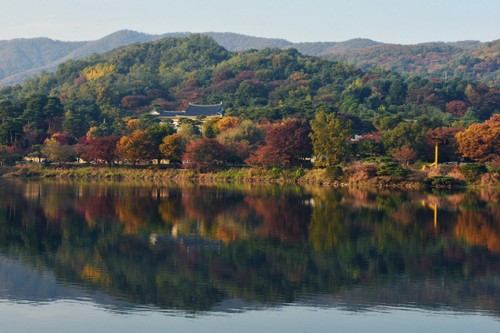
{"x": 110, "y": 90}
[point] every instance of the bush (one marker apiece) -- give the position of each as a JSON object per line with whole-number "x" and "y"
{"x": 334, "y": 172}
{"x": 443, "y": 181}
{"x": 276, "y": 172}
{"x": 392, "y": 169}
{"x": 362, "y": 172}
{"x": 473, "y": 171}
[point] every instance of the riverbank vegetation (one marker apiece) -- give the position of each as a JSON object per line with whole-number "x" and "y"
{"x": 288, "y": 117}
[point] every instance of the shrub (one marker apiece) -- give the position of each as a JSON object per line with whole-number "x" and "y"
{"x": 443, "y": 181}
{"x": 334, "y": 172}
{"x": 362, "y": 172}
{"x": 472, "y": 171}
{"x": 391, "y": 169}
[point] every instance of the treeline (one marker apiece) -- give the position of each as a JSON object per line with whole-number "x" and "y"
{"x": 471, "y": 60}
{"x": 273, "y": 99}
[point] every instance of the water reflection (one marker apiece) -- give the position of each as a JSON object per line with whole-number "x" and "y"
{"x": 210, "y": 248}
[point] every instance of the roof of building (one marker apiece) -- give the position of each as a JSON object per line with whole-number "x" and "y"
{"x": 204, "y": 110}
{"x": 193, "y": 110}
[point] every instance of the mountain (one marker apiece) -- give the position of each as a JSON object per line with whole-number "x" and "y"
{"x": 25, "y": 58}
{"x": 466, "y": 59}
{"x": 21, "y": 59}
{"x": 327, "y": 48}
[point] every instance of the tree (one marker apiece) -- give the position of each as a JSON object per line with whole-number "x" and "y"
{"x": 33, "y": 114}
{"x": 53, "y": 110}
{"x": 226, "y": 123}
{"x": 404, "y": 155}
{"x": 10, "y": 131}
{"x": 98, "y": 149}
{"x": 287, "y": 144}
{"x": 80, "y": 116}
{"x": 173, "y": 148}
{"x": 8, "y": 155}
{"x": 56, "y": 151}
{"x": 329, "y": 138}
{"x": 205, "y": 154}
{"x": 209, "y": 128}
{"x": 245, "y": 131}
{"x": 189, "y": 128}
{"x": 480, "y": 142}
{"x": 135, "y": 147}
{"x": 445, "y": 137}
{"x": 156, "y": 133}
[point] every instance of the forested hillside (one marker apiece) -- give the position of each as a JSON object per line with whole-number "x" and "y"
{"x": 21, "y": 59}
{"x": 114, "y": 92}
{"x": 473, "y": 60}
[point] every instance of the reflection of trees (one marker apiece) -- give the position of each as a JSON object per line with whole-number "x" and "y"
{"x": 327, "y": 228}
{"x": 280, "y": 244}
{"x": 284, "y": 217}
{"x": 477, "y": 228}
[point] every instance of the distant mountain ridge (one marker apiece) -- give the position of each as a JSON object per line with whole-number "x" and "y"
{"x": 21, "y": 59}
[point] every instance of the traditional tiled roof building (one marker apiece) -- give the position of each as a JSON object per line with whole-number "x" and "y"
{"x": 193, "y": 111}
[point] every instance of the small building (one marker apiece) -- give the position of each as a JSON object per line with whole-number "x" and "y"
{"x": 193, "y": 111}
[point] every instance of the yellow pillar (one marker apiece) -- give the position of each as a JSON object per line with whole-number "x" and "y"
{"x": 436, "y": 155}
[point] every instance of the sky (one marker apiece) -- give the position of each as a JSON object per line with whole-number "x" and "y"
{"x": 390, "y": 21}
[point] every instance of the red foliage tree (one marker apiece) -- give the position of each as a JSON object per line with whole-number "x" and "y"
{"x": 132, "y": 102}
{"x": 205, "y": 154}
{"x": 457, "y": 108}
{"x": 98, "y": 149}
{"x": 287, "y": 144}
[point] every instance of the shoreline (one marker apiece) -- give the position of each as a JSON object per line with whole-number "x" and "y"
{"x": 312, "y": 177}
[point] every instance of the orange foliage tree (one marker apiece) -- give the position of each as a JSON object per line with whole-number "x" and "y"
{"x": 135, "y": 147}
{"x": 480, "y": 142}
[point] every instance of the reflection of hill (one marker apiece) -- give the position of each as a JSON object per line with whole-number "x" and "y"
{"x": 20, "y": 283}
{"x": 254, "y": 245}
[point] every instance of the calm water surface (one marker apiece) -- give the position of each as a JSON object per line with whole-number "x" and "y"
{"x": 122, "y": 257}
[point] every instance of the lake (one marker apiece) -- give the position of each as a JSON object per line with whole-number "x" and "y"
{"x": 125, "y": 257}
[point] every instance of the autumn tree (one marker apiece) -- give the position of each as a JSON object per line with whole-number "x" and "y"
{"x": 98, "y": 149}
{"x": 226, "y": 123}
{"x": 242, "y": 140}
{"x": 156, "y": 133}
{"x": 205, "y": 154}
{"x": 329, "y": 137}
{"x": 56, "y": 151}
{"x": 286, "y": 144}
{"x": 173, "y": 147}
{"x": 404, "y": 155}
{"x": 134, "y": 148}
{"x": 480, "y": 142}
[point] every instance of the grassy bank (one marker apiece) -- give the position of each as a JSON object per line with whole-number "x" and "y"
{"x": 352, "y": 175}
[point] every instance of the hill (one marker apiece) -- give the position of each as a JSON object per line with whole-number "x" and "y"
{"x": 468, "y": 59}
{"x": 270, "y": 83}
{"x": 21, "y": 59}
{"x": 112, "y": 95}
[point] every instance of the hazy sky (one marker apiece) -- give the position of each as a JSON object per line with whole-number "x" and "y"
{"x": 393, "y": 21}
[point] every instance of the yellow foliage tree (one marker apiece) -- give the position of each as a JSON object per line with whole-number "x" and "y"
{"x": 98, "y": 71}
